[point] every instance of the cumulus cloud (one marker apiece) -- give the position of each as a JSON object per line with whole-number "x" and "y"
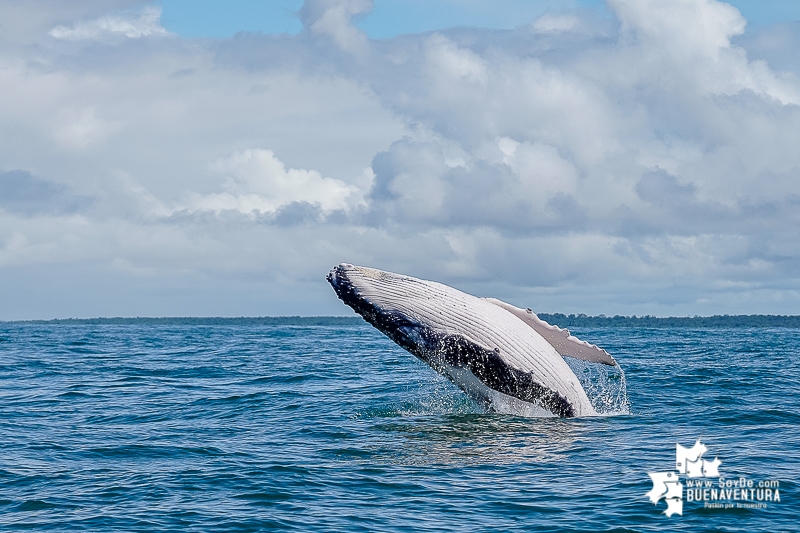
{"x": 696, "y": 36}
{"x": 638, "y": 161}
{"x": 30, "y": 21}
{"x": 683, "y": 27}
{"x": 257, "y": 182}
{"x": 510, "y": 185}
{"x": 334, "y": 19}
{"x": 131, "y": 25}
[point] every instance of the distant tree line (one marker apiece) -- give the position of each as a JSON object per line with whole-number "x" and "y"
{"x": 558, "y": 319}
{"x": 647, "y": 321}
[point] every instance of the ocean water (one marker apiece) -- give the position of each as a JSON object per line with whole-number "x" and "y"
{"x": 315, "y": 425}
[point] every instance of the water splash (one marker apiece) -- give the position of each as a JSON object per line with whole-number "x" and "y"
{"x": 439, "y": 396}
{"x": 605, "y": 386}
{"x": 431, "y": 395}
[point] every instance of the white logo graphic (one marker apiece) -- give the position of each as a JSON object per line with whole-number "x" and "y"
{"x": 688, "y": 461}
{"x": 720, "y": 493}
{"x": 668, "y": 485}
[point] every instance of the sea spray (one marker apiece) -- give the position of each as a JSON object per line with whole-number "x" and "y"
{"x": 604, "y": 385}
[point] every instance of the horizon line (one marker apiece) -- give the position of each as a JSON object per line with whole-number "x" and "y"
{"x": 559, "y": 319}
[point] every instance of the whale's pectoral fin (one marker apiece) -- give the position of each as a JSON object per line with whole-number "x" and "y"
{"x": 560, "y": 339}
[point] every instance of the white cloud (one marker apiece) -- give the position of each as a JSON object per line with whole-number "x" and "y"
{"x": 333, "y": 19}
{"x": 681, "y": 27}
{"x": 257, "y": 182}
{"x": 147, "y": 23}
{"x": 539, "y": 167}
{"x": 446, "y": 59}
{"x": 693, "y": 39}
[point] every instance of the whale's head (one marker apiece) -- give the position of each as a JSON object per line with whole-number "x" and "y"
{"x": 383, "y": 299}
{"x": 353, "y": 284}
{"x": 359, "y": 286}
{"x": 371, "y": 290}
{"x": 345, "y": 277}
{"x": 350, "y": 282}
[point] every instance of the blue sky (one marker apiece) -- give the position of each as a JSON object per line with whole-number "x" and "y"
{"x": 630, "y": 157}
{"x": 218, "y": 19}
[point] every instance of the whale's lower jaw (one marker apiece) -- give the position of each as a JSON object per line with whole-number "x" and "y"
{"x": 479, "y": 372}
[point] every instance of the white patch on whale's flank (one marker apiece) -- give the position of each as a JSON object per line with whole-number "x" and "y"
{"x": 412, "y": 312}
{"x": 492, "y": 399}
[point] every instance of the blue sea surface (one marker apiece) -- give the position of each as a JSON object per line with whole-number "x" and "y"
{"x": 315, "y": 425}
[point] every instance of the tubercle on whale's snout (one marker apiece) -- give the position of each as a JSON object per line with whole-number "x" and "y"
{"x": 343, "y": 285}
{"x": 337, "y": 275}
{"x": 331, "y": 277}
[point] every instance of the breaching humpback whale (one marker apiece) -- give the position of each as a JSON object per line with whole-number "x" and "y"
{"x": 502, "y": 356}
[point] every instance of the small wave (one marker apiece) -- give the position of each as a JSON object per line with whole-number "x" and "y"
{"x": 35, "y": 505}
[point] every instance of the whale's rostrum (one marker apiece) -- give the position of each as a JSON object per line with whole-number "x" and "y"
{"x": 502, "y": 356}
